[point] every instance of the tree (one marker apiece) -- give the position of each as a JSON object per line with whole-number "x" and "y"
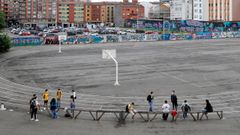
{"x": 5, "y": 41}
{"x": 2, "y": 20}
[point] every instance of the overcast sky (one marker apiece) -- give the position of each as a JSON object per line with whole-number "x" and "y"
{"x": 122, "y": 0}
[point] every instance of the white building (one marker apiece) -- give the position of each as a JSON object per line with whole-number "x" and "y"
{"x": 200, "y": 10}
{"x": 189, "y": 9}
{"x": 181, "y": 9}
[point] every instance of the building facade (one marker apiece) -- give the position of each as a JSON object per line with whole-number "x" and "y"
{"x": 200, "y": 10}
{"x": 127, "y": 10}
{"x": 11, "y": 10}
{"x": 224, "y": 10}
{"x": 100, "y": 12}
{"x": 160, "y": 10}
{"x": 35, "y": 12}
{"x": 70, "y": 12}
{"x": 181, "y": 9}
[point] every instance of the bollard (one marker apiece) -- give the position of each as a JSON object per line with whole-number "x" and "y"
{"x": 2, "y": 107}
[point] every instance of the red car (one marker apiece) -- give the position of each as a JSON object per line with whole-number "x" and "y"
{"x": 24, "y": 33}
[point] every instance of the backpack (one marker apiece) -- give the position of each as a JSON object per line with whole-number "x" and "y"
{"x": 33, "y": 103}
{"x": 149, "y": 98}
{"x": 186, "y": 108}
{"x": 127, "y": 110}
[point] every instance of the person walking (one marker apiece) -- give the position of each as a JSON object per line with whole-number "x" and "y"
{"x": 165, "y": 110}
{"x": 53, "y": 107}
{"x": 174, "y": 100}
{"x": 34, "y": 105}
{"x": 208, "y": 108}
{"x": 150, "y": 101}
{"x": 58, "y": 97}
{"x": 45, "y": 98}
{"x": 185, "y": 108}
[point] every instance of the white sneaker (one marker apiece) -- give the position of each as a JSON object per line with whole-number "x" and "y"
{"x": 36, "y": 120}
{"x": 32, "y": 119}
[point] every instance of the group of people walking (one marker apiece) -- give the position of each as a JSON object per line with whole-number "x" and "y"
{"x": 167, "y": 109}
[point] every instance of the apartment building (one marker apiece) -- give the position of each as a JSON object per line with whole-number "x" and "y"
{"x": 200, "y": 10}
{"x": 181, "y": 9}
{"x": 38, "y": 11}
{"x": 224, "y": 10}
{"x": 70, "y": 12}
{"x": 11, "y": 9}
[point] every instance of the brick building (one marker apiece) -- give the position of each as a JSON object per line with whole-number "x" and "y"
{"x": 127, "y": 10}
{"x": 113, "y": 12}
{"x": 38, "y": 11}
{"x": 11, "y": 10}
{"x": 70, "y": 12}
{"x": 100, "y": 12}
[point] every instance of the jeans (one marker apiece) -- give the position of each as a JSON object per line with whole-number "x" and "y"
{"x": 54, "y": 114}
{"x": 150, "y": 106}
{"x": 58, "y": 103}
{"x": 184, "y": 114}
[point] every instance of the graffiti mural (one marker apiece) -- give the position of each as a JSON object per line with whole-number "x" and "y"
{"x": 183, "y": 25}
{"x": 26, "y": 41}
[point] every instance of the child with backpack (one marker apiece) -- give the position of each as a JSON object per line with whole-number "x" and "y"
{"x": 34, "y": 105}
{"x": 185, "y": 108}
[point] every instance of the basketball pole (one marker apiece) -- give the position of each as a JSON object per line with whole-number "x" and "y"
{"x": 116, "y": 82}
{"x": 59, "y": 47}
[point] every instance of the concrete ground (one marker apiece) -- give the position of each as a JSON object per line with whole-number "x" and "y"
{"x": 197, "y": 70}
{"x": 13, "y": 123}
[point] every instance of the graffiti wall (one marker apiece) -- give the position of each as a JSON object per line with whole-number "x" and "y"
{"x": 26, "y": 41}
{"x": 183, "y": 25}
{"x": 83, "y": 39}
{"x": 32, "y": 41}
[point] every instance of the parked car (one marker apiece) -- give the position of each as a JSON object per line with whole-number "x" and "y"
{"x": 34, "y": 32}
{"x": 71, "y": 33}
{"x": 17, "y": 31}
{"x": 24, "y": 33}
{"x": 121, "y": 33}
{"x": 140, "y": 31}
{"x": 48, "y": 35}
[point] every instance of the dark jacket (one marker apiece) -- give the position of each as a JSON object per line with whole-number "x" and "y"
{"x": 53, "y": 105}
{"x": 173, "y": 98}
{"x": 209, "y": 107}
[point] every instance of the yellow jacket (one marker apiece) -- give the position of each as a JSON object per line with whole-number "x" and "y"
{"x": 45, "y": 96}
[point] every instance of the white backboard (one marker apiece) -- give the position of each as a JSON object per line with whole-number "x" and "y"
{"x": 106, "y": 54}
{"x": 62, "y": 37}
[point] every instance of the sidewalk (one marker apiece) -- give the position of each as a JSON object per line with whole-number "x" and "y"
{"x": 18, "y": 123}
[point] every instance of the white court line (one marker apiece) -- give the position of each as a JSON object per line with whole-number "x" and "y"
{"x": 180, "y": 79}
{"x": 177, "y": 78}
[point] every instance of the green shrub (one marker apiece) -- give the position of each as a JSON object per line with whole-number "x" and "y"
{"x": 2, "y": 20}
{"x": 5, "y": 43}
